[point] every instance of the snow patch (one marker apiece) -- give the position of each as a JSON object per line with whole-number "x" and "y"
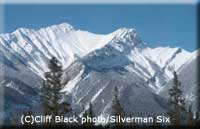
{"x": 72, "y": 83}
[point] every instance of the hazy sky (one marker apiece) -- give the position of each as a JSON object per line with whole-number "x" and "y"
{"x": 158, "y": 25}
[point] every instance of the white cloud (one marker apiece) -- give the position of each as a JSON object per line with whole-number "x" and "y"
{"x": 105, "y": 1}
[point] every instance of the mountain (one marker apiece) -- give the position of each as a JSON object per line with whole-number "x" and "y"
{"x": 93, "y": 65}
{"x": 189, "y": 80}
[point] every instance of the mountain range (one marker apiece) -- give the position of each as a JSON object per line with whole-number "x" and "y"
{"x": 93, "y": 65}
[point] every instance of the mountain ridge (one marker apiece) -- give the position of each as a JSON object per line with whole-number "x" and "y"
{"x": 94, "y": 64}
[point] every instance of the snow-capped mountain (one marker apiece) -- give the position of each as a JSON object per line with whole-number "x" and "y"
{"x": 94, "y": 64}
{"x": 62, "y": 41}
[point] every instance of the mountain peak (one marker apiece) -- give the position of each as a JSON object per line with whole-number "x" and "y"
{"x": 63, "y": 26}
{"x": 126, "y": 36}
{"x": 125, "y": 31}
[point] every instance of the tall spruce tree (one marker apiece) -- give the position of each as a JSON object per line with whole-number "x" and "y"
{"x": 176, "y": 102}
{"x": 117, "y": 109}
{"x": 50, "y": 92}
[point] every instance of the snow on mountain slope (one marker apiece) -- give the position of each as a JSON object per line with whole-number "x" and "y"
{"x": 61, "y": 41}
{"x": 122, "y": 48}
{"x": 97, "y": 86}
{"x": 93, "y": 65}
{"x": 172, "y": 58}
{"x": 163, "y": 61}
{"x": 187, "y": 75}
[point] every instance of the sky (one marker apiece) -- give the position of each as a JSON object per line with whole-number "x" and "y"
{"x": 157, "y": 25}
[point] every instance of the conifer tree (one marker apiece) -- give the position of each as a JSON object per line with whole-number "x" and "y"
{"x": 156, "y": 125}
{"x": 89, "y": 113}
{"x": 29, "y": 112}
{"x": 193, "y": 120}
{"x": 176, "y": 102}
{"x": 117, "y": 109}
{"x": 131, "y": 124}
{"x": 85, "y": 113}
{"x": 50, "y": 92}
{"x": 197, "y": 119}
{"x": 14, "y": 120}
{"x": 190, "y": 120}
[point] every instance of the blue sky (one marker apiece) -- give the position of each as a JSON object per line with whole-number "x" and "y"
{"x": 157, "y": 25}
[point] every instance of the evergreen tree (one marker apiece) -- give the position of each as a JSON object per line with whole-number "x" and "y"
{"x": 176, "y": 102}
{"x": 131, "y": 124}
{"x": 116, "y": 106}
{"x": 117, "y": 109}
{"x": 50, "y": 92}
{"x": 89, "y": 113}
{"x": 156, "y": 125}
{"x": 197, "y": 119}
{"x": 14, "y": 120}
{"x": 29, "y": 112}
{"x": 191, "y": 120}
{"x": 85, "y": 113}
